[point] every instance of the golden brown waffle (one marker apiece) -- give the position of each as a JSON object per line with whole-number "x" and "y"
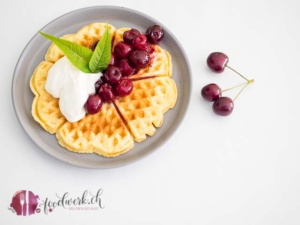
{"x": 103, "y": 133}
{"x": 113, "y": 130}
{"x": 45, "y": 109}
{"x": 143, "y": 110}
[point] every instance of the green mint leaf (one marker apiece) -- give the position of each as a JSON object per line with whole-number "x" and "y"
{"x": 78, "y": 55}
{"x": 101, "y": 56}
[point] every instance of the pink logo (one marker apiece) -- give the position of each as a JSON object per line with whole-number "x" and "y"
{"x": 24, "y": 203}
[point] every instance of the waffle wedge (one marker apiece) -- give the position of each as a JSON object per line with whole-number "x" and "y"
{"x": 115, "y": 128}
{"x": 103, "y": 133}
{"x": 143, "y": 110}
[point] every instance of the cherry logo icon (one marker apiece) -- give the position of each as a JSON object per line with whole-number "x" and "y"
{"x": 24, "y": 203}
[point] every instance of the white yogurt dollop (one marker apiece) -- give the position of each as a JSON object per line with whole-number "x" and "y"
{"x": 72, "y": 87}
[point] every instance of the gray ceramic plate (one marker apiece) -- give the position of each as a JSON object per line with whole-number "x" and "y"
{"x": 34, "y": 53}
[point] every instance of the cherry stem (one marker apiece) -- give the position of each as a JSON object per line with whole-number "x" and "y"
{"x": 246, "y": 84}
{"x": 238, "y": 73}
{"x": 243, "y": 84}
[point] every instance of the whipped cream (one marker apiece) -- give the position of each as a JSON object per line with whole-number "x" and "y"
{"x": 72, "y": 87}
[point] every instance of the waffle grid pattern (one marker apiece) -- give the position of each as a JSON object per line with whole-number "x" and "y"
{"x": 113, "y": 130}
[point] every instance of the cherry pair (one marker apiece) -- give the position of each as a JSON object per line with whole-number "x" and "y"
{"x": 223, "y": 106}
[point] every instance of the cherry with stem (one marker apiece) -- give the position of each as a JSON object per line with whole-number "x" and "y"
{"x": 217, "y": 62}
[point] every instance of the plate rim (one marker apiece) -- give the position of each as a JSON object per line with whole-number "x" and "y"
{"x": 80, "y": 10}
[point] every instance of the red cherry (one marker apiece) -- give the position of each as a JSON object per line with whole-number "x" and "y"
{"x": 223, "y": 106}
{"x": 155, "y": 34}
{"x": 107, "y": 93}
{"x": 94, "y": 45}
{"x": 122, "y": 50}
{"x": 217, "y": 61}
{"x": 113, "y": 60}
{"x": 139, "y": 59}
{"x": 124, "y": 88}
{"x": 129, "y": 35}
{"x": 112, "y": 75}
{"x": 93, "y": 104}
{"x": 98, "y": 84}
{"x": 125, "y": 68}
{"x": 140, "y": 42}
{"x": 211, "y": 92}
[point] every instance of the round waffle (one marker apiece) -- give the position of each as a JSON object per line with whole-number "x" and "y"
{"x": 115, "y": 128}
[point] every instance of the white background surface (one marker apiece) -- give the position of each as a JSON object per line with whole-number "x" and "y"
{"x": 241, "y": 169}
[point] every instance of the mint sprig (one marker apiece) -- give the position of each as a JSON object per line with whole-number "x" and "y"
{"x": 101, "y": 57}
{"x": 83, "y": 58}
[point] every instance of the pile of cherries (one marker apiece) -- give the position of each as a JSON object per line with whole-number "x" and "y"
{"x": 134, "y": 53}
{"x": 223, "y": 106}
